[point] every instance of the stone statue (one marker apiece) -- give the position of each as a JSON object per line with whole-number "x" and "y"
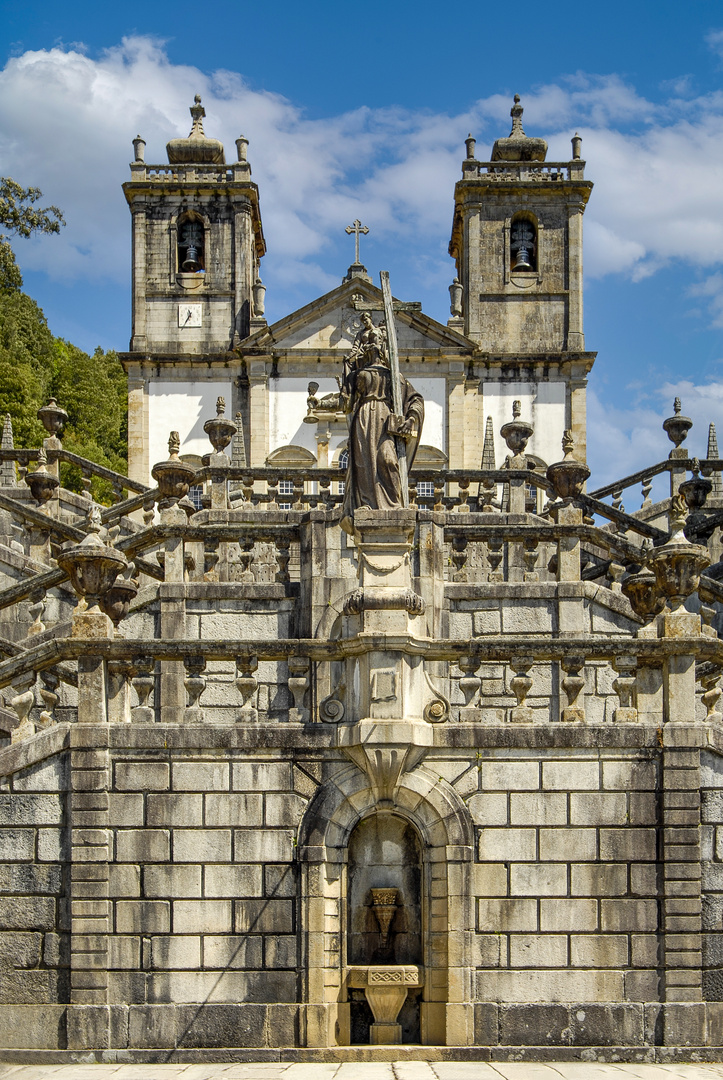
{"x": 373, "y": 474}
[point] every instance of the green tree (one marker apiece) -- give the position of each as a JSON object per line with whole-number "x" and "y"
{"x": 34, "y": 365}
{"x": 21, "y": 217}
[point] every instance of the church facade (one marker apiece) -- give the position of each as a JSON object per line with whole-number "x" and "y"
{"x": 437, "y": 778}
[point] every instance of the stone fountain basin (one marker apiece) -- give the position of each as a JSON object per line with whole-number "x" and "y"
{"x": 385, "y": 988}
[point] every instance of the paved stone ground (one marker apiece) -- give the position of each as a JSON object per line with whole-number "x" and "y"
{"x": 417, "y": 1070}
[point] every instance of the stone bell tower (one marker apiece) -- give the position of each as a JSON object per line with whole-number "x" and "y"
{"x": 517, "y": 244}
{"x": 197, "y": 245}
{"x": 197, "y": 242}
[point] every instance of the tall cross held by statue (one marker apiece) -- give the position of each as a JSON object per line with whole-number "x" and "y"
{"x": 356, "y": 228}
{"x": 393, "y": 351}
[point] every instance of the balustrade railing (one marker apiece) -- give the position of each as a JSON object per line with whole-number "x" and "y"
{"x": 502, "y": 679}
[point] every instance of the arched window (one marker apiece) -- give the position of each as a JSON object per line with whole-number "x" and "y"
{"x": 343, "y": 464}
{"x": 191, "y": 244}
{"x": 523, "y": 246}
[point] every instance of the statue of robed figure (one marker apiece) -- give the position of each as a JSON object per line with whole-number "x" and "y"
{"x": 385, "y": 416}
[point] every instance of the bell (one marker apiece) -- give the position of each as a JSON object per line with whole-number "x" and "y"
{"x": 191, "y": 264}
{"x": 522, "y": 260}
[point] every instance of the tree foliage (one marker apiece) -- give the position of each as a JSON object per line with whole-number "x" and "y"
{"x": 21, "y": 217}
{"x": 35, "y": 365}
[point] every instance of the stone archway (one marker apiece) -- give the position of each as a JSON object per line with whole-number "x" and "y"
{"x": 445, "y": 830}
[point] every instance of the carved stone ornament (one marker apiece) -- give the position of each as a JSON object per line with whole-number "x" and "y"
{"x": 91, "y": 565}
{"x": 516, "y": 433}
{"x": 52, "y": 417}
{"x": 383, "y": 599}
{"x": 331, "y": 710}
{"x": 42, "y": 483}
{"x": 220, "y": 431}
{"x": 642, "y": 591}
{"x": 174, "y": 477}
{"x": 117, "y": 601}
{"x": 676, "y": 426}
{"x": 567, "y": 476}
{"x": 677, "y": 565}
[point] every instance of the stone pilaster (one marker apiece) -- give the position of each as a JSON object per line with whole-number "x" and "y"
{"x": 681, "y": 906}
{"x": 173, "y": 619}
{"x": 90, "y": 907}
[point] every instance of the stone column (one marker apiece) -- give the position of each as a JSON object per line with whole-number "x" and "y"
{"x": 681, "y": 909}
{"x": 243, "y": 264}
{"x": 90, "y": 909}
{"x": 570, "y": 589}
{"x": 173, "y": 619}
{"x": 138, "y": 339}
{"x": 456, "y": 414}
{"x": 578, "y": 409}
{"x": 258, "y": 413}
{"x": 139, "y": 467}
{"x": 471, "y": 276}
{"x": 575, "y": 335}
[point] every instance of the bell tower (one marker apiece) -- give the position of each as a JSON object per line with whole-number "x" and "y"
{"x": 197, "y": 244}
{"x": 517, "y": 244}
{"x": 196, "y": 291}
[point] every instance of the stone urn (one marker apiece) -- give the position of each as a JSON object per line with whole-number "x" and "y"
{"x": 677, "y": 565}
{"x": 220, "y": 431}
{"x": 642, "y": 591}
{"x": 567, "y": 476}
{"x": 41, "y": 482}
{"x": 516, "y": 433}
{"x": 696, "y": 490}
{"x": 52, "y": 417}
{"x": 117, "y": 601}
{"x": 174, "y": 477}
{"x": 384, "y": 906}
{"x": 676, "y": 426}
{"x": 91, "y": 565}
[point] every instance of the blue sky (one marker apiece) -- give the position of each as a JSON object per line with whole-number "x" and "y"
{"x": 361, "y": 111}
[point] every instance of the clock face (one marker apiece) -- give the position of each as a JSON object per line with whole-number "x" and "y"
{"x": 189, "y": 315}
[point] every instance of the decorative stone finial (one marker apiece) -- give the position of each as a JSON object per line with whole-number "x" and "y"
{"x": 242, "y": 145}
{"x": 516, "y": 113}
{"x": 220, "y": 406}
{"x": 197, "y": 148}
{"x": 197, "y": 112}
{"x": 576, "y": 147}
{"x": 677, "y": 426}
{"x": 139, "y": 148}
{"x": 516, "y": 409}
{"x": 174, "y": 444}
{"x": 470, "y": 144}
{"x": 518, "y": 146}
{"x": 567, "y": 476}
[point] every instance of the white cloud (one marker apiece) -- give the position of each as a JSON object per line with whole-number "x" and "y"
{"x": 623, "y": 438}
{"x": 714, "y": 40}
{"x": 69, "y": 119}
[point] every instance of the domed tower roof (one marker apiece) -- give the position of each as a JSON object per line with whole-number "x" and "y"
{"x": 518, "y": 146}
{"x": 196, "y": 149}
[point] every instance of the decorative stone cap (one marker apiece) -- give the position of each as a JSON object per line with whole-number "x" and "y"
{"x": 518, "y": 146}
{"x": 197, "y": 149}
{"x": 386, "y": 975}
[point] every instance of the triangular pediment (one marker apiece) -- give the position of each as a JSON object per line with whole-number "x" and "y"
{"x": 331, "y": 323}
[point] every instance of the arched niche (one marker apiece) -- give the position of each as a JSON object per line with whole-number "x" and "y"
{"x": 441, "y": 822}
{"x": 384, "y": 852}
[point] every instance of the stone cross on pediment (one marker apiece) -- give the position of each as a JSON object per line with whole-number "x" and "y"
{"x": 358, "y": 229}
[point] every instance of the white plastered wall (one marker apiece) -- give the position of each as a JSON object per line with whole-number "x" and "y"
{"x": 287, "y": 409}
{"x": 183, "y": 407}
{"x": 543, "y": 405}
